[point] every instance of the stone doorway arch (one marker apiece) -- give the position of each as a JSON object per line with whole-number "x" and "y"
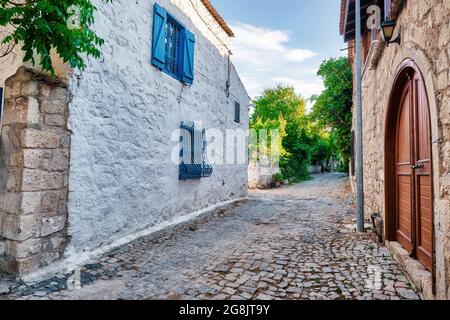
{"x": 409, "y": 171}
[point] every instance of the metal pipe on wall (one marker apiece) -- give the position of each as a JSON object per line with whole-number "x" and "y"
{"x": 359, "y": 133}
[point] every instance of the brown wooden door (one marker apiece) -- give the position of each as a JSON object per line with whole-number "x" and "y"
{"x": 414, "y": 197}
{"x": 423, "y": 175}
{"x": 404, "y": 176}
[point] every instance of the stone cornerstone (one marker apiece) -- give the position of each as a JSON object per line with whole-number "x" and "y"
{"x": 34, "y": 165}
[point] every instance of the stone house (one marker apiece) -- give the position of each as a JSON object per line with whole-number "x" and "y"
{"x": 86, "y": 157}
{"x": 406, "y": 133}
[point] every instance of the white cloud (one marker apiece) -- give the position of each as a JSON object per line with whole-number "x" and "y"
{"x": 265, "y": 58}
{"x": 299, "y": 55}
{"x": 304, "y": 87}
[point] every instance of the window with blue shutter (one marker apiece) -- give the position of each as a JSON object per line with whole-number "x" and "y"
{"x": 188, "y": 57}
{"x": 194, "y": 163}
{"x": 173, "y": 46}
{"x": 159, "y": 37}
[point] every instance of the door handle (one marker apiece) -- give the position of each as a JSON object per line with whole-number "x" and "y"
{"x": 418, "y": 165}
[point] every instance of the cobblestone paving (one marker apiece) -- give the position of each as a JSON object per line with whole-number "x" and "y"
{"x": 289, "y": 243}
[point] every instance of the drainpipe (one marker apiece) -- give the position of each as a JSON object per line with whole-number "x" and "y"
{"x": 359, "y": 133}
{"x": 228, "y": 83}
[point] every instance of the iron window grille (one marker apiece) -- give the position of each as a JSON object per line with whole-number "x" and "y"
{"x": 194, "y": 163}
{"x": 172, "y": 41}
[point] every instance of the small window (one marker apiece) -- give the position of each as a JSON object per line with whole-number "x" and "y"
{"x": 1, "y": 102}
{"x": 387, "y": 9}
{"x": 374, "y": 35}
{"x": 172, "y": 46}
{"x": 237, "y": 112}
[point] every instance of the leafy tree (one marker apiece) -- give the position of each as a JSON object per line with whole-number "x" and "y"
{"x": 282, "y": 108}
{"x": 39, "y": 26}
{"x": 323, "y": 147}
{"x": 333, "y": 107}
{"x": 265, "y": 149}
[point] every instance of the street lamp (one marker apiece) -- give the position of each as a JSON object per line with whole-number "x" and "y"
{"x": 388, "y": 28}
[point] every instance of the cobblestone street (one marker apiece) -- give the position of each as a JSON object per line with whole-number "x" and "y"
{"x": 290, "y": 243}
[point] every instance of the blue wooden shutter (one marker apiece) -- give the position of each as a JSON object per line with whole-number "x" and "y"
{"x": 159, "y": 30}
{"x": 188, "y": 57}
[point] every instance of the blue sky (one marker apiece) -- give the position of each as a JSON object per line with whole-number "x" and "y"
{"x": 282, "y": 41}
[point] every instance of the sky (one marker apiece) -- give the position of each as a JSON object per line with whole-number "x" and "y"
{"x": 282, "y": 42}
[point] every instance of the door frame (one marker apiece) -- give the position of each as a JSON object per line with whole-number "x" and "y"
{"x": 405, "y": 72}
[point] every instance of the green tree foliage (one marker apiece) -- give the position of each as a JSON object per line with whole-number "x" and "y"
{"x": 323, "y": 147}
{"x": 39, "y": 26}
{"x": 260, "y": 125}
{"x": 281, "y": 108}
{"x": 333, "y": 107}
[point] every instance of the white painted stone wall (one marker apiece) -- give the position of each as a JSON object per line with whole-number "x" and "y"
{"x": 123, "y": 114}
{"x": 260, "y": 175}
{"x": 9, "y": 63}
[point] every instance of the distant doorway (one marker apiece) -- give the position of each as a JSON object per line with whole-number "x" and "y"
{"x": 409, "y": 185}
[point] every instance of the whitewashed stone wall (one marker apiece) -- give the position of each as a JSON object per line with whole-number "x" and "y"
{"x": 260, "y": 175}
{"x": 11, "y": 62}
{"x": 9, "y": 65}
{"x": 123, "y": 114}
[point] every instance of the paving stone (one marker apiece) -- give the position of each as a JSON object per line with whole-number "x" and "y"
{"x": 264, "y": 297}
{"x": 229, "y": 291}
{"x": 222, "y": 268}
{"x": 4, "y": 287}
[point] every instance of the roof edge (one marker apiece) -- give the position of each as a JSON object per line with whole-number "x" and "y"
{"x": 218, "y": 17}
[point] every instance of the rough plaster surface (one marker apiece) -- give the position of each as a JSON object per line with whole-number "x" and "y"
{"x": 419, "y": 21}
{"x": 123, "y": 114}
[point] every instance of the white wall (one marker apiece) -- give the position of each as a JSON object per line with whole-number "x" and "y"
{"x": 9, "y": 63}
{"x": 123, "y": 114}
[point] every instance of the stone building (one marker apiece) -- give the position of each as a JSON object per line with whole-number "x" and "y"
{"x": 406, "y": 129}
{"x": 86, "y": 157}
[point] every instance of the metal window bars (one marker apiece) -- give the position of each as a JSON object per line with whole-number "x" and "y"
{"x": 172, "y": 40}
{"x": 194, "y": 162}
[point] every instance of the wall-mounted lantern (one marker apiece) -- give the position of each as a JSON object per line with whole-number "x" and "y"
{"x": 388, "y": 28}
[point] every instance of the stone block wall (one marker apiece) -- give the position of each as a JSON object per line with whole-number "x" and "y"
{"x": 260, "y": 175}
{"x": 34, "y": 163}
{"x": 425, "y": 31}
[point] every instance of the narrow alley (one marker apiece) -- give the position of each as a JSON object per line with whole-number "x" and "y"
{"x": 295, "y": 242}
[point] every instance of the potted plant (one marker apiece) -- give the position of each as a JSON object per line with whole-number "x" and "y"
{"x": 277, "y": 179}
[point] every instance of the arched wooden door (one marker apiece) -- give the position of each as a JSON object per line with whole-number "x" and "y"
{"x": 413, "y": 202}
